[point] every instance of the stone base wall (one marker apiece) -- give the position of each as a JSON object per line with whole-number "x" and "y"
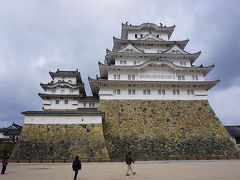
{"x": 61, "y": 141}
{"x": 163, "y": 128}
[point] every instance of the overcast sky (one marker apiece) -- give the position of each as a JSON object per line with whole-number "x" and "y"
{"x": 38, "y": 36}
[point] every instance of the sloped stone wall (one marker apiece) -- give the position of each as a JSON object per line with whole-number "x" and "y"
{"x": 60, "y": 141}
{"x": 160, "y": 128}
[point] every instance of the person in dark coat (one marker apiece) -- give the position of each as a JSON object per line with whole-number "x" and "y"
{"x": 129, "y": 161}
{"x": 5, "y": 158}
{"x": 76, "y": 166}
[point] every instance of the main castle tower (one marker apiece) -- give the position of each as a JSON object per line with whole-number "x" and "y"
{"x": 150, "y": 99}
{"x": 155, "y": 98}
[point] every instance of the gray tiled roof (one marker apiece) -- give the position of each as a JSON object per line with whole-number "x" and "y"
{"x": 65, "y": 113}
{"x": 233, "y": 130}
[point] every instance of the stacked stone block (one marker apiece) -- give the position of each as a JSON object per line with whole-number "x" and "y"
{"x": 163, "y": 128}
{"x": 61, "y": 142}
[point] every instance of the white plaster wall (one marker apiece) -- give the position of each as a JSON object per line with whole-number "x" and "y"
{"x": 131, "y": 34}
{"x": 108, "y": 94}
{"x": 66, "y": 79}
{"x": 60, "y": 90}
{"x": 61, "y": 104}
{"x": 2, "y": 136}
{"x": 81, "y": 104}
{"x": 154, "y": 74}
{"x": 139, "y": 60}
{"x": 96, "y": 119}
{"x": 130, "y": 60}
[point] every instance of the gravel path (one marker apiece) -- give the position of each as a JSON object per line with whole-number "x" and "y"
{"x": 167, "y": 170}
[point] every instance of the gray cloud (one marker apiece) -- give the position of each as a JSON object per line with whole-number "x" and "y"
{"x": 41, "y": 36}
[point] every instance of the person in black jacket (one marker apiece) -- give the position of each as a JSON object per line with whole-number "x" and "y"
{"x": 5, "y": 158}
{"x": 76, "y": 166}
{"x": 129, "y": 161}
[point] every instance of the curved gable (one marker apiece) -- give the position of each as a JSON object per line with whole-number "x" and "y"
{"x": 175, "y": 49}
{"x": 151, "y": 37}
{"x": 130, "y": 48}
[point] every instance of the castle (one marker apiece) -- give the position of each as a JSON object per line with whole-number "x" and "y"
{"x": 150, "y": 99}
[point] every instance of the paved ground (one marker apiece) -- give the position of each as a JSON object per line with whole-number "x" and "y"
{"x": 167, "y": 170}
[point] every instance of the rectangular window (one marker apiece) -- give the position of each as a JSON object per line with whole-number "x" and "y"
{"x": 117, "y": 91}
{"x": 161, "y": 91}
{"x": 183, "y": 63}
{"x": 141, "y": 35}
{"x": 71, "y": 90}
{"x": 57, "y": 102}
{"x": 134, "y": 62}
{"x": 131, "y": 91}
{"x": 62, "y": 91}
{"x": 121, "y": 62}
{"x": 93, "y": 104}
{"x": 144, "y": 91}
{"x": 135, "y": 35}
{"x": 148, "y": 92}
{"x": 66, "y": 102}
{"x": 118, "y": 76}
{"x": 178, "y": 92}
{"x": 131, "y": 77}
{"x": 54, "y": 91}
{"x": 157, "y": 36}
{"x": 84, "y": 104}
{"x": 174, "y": 92}
{"x": 181, "y": 78}
{"x": 90, "y": 104}
{"x": 192, "y": 92}
{"x": 115, "y": 76}
{"x": 125, "y": 62}
{"x": 195, "y": 77}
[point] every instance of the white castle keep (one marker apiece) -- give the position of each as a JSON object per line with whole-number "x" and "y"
{"x": 150, "y": 98}
{"x": 145, "y": 64}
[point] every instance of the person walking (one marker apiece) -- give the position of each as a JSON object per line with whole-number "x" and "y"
{"x": 129, "y": 161}
{"x": 5, "y": 158}
{"x": 76, "y": 166}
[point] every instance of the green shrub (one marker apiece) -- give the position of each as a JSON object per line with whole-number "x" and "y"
{"x": 6, "y": 148}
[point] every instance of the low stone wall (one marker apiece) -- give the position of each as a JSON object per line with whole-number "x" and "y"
{"x": 60, "y": 141}
{"x": 163, "y": 128}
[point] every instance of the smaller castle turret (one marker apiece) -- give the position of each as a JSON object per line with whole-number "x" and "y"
{"x": 66, "y": 91}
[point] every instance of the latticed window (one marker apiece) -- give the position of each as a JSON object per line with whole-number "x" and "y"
{"x": 116, "y": 91}
{"x": 161, "y": 91}
{"x": 176, "y": 92}
{"x": 146, "y": 91}
{"x": 131, "y": 91}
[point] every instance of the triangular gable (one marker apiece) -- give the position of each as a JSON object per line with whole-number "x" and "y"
{"x": 130, "y": 48}
{"x": 175, "y": 50}
{"x": 12, "y": 127}
{"x": 151, "y": 37}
